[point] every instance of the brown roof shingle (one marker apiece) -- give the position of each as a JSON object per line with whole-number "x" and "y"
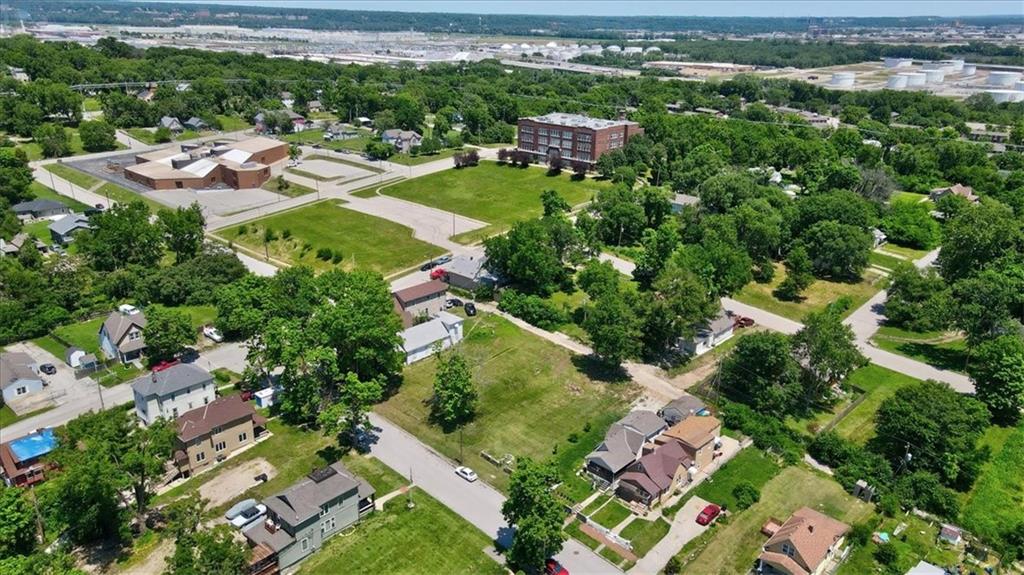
{"x": 811, "y": 534}
{"x": 219, "y": 412}
{"x": 695, "y": 431}
{"x": 419, "y": 291}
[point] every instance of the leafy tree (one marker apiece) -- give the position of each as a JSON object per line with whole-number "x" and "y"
{"x": 97, "y": 136}
{"x": 613, "y": 327}
{"x": 122, "y": 236}
{"x": 939, "y": 427}
{"x": 183, "y": 230}
{"x": 377, "y": 150}
{"x": 842, "y": 206}
{"x": 85, "y": 499}
{"x": 207, "y": 552}
{"x": 55, "y": 563}
{"x": 532, "y": 309}
{"x": 17, "y": 523}
{"x": 977, "y": 237}
{"x": 15, "y": 175}
{"x": 825, "y": 347}
{"x": 911, "y": 224}
{"x": 886, "y": 554}
{"x": 553, "y": 203}
{"x": 838, "y": 251}
{"x": 918, "y": 300}
{"x": 162, "y": 135}
{"x": 525, "y": 257}
{"x": 998, "y": 374}
{"x": 167, "y": 332}
{"x": 241, "y": 306}
{"x": 455, "y": 395}
{"x": 347, "y": 418}
{"x": 598, "y": 277}
{"x": 622, "y": 219}
{"x": 745, "y": 494}
{"x": 52, "y": 139}
{"x": 762, "y": 373}
{"x": 983, "y": 304}
{"x": 535, "y": 513}
{"x": 799, "y": 273}
{"x": 720, "y": 193}
{"x": 658, "y": 245}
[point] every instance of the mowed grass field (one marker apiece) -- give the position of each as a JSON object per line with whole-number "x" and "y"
{"x": 993, "y": 507}
{"x": 879, "y": 384}
{"x": 43, "y": 193}
{"x": 490, "y": 192}
{"x": 735, "y": 545}
{"x": 429, "y": 538}
{"x": 532, "y": 397}
{"x": 815, "y": 298}
{"x": 76, "y": 177}
{"x": 364, "y": 241}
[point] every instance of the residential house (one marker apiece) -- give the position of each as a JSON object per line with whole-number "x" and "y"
{"x": 12, "y": 247}
{"x": 419, "y": 341}
{"x": 196, "y": 124}
{"x": 680, "y": 201}
{"x": 699, "y": 437}
{"x": 214, "y": 431}
{"x": 655, "y": 476}
{"x": 803, "y": 545}
{"x": 711, "y": 112}
{"x": 63, "y": 231}
{"x": 951, "y": 534}
{"x": 623, "y": 444}
{"x": 303, "y": 517}
{"x": 364, "y": 122}
{"x": 171, "y": 392}
{"x": 21, "y": 459}
{"x": 146, "y": 94}
{"x": 966, "y": 192}
{"x": 314, "y": 106}
{"x": 682, "y": 407}
{"x": 925, "y": 568}
{"x": 421, "y": 300}
{"x": 402, "y": 140}
{"x": 287, "y": 99}
{"x": 709, "y": 334}
{"x": 172, "y": 124}
{"x": 469, "y": 273}
{"x": 298, "y": 123}
{"x": 18, "y": 74}
{"x": 19, "y": 376}
{"x": 39, "y": 208}
{"x": 121, "y": 334}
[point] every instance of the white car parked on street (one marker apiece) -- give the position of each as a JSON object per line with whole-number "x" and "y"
{"x": 466, "y": 473}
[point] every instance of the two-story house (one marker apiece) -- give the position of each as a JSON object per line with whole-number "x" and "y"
{"x": 424, "y": 300}
{"x": 699, "y": 436}
{"x": 214, "y": 431}
{"x": 623, "y": 444}
{"x": 121, "y": 334}
{"x": 171, "y": 392}
{"x": 301, "y": 518}
{"x": 804, "y": 545}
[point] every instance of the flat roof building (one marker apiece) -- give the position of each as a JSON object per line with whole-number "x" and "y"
{"x": 244, "y": 164}
{"x": 573, "y": 137}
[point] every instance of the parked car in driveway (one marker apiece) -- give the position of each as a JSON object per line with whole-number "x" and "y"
{"x": 48, "y": 369}
{"x": 249, "y": 515}
{"x": 553, "y": 567}
{"x": 437, "y": 274}
{"x": 470, "y": 308}
{"x": 428, "y": 266}
{"x": 453, "y": 302}
{"x": 239, "y": 507}
{"x": 708, "y": 514}
{"x": 466, "y": 473}
{"x": 213, "y": 333}
{"x": 742, "y": 321}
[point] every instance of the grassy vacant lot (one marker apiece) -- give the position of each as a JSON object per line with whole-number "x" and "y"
{"x": 35, "y": 152}
{"x": 993, "y": 507}
{"x": 429, "y": 538}
{"x": 84, "y": 335}
{"x": 43, "y": 193}
{"x": 291, "y": 189}
{"x": 645, "y": 534}
{"x": 365, "y": 242}
{"x": 91, "y": 105}
{"x": 533, "y": 397}
{"x": 76, "y": 177}
{"x": 909, "y": 253}
{"x": 942, "y": 350}
{"x": 353, "y": 163}
{"x": 232, "y": 123}
{"x": 920, "y": 545}
{"x": 815, "y": 298}
{"x": 879, "y": 384}
{"x": 497, "y": 194}
{"x": 748, "y": 466}
{"x": 407, "y": 160}
{"x": 116, "y": 193}
{"x": 885, "y": 260}
{"x": 735, "y": 545}
{"x": 357, "y": 144}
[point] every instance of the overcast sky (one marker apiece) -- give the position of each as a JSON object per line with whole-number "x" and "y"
{"x": 785, "y": 8}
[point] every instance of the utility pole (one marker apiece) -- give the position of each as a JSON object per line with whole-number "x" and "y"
{"x": 40, "y": 531}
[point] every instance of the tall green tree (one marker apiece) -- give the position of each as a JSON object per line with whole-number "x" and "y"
{"x": 121, "y": 236}
{"x": 799, "y": 273}
{"x": 825, "y": 348}
{"x": 208, "y": 552}
{"x": 535, "y": 513}
{"x": 455, "y": 396}
{"x": 613, "y": 327}
{"x": 52, "y": 139}
{"x": 553, "y": 203}
{"x": 348, "y": 417}
{"x": 17, "y": 523}
{"x": 526, "y": 258}
{"x": 15, "y": 175}
{"x": 167, "y": 332}
{"x": 762, "y": 373}
{"x": 998, "y": 374}
{"x": 183, "y": 230}
{"x": 97, "y": 136}
{"x": 837, "y": 251}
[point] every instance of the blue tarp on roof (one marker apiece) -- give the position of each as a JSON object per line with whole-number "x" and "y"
{"x": 33, "y": 445}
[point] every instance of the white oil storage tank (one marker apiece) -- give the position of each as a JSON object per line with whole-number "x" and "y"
{"x": 997, "y": 78}
{"x": 915, "y": 78}
{"x": 896, "y": 82}
{"x": 1003, "y": 96}
{"x": 898, "y": 62}
{"x": 843, "y": 79}
{"x": 969, "y": 70}
{"x": 934, "y": 76}
{"x": 953, "y": 65}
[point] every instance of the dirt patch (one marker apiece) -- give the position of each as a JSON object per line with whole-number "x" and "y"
{"x": 154, "y": 563}
{"x": 228, "y": 484}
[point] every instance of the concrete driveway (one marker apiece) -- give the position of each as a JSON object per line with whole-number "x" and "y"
{"x": 60, "y": 387}
{"x": 684, "y": 529}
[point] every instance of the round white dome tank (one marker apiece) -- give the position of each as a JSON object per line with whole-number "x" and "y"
{"x": 969, "y": 70}
{"x": 915, "y": 78}
{"x": 1003, "y": 78}
{"x": 1003, "y": 96}
{"x": 843, "y": 79}
{"x": 898, "y": 62}
{"x": 954, "y": 65}
{"x": 934, "y": 76}
{"x": 896, "y": 82}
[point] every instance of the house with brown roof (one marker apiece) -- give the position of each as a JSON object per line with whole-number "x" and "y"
{"x": 961, "y": 190}
{"x": 698, "y": 437}
{"x": 421, "y": 300}
{"x": 803, "y": 545}
{"x": 655, "y": 476}
{"x": 215, "y": 431}
{"x": 623, "y": 444}
{"x": 21, "y": 459}
{"x": 121, "y": 334}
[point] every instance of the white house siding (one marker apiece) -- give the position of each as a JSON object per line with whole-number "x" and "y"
{"x": 150, "y": 408}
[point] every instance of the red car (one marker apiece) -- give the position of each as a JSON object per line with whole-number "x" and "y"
{"x": 741, "y": 321}
{"x": 708, "y": 514}
{"x": 165, "y": 364}
{"x": 437, "y": 273}
{"x": 552, "y": 567}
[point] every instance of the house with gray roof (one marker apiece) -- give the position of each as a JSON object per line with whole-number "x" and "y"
{"x": 680, "y": 408}
{"x": 469, "y": 273}
{"x": 39, "y": 208}
{"x": 402, "y": 140}
{"x": 624, "y": 444}
{"x": 708, "y": 335}
{"x": 121, "y": 334}
{"x": 171, "y": 392}
{"x": 419, "y": 341}
{"x": 172, "y": 124}
{"x": 303, "y": 517}
{"x": 63, "y": 230}
{"x": 197, "y": 124}
{"x": 19, "y": 376}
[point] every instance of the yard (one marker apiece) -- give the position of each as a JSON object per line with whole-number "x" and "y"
{"x": 311, "y": 137}
{"x": 497, "y": 194}
{"x": 148, "y": 136}
{"x": 534, "y": 398}
{"x": 645, "y": 534}
{"x": 993, "y": 507}
{"x": 76, "y": 177}
{"x": 43, "y": 193}
{"x": 735, "y": 545}
{"x": 409, "y": 160}
{"x": 116, "y": 193}
{"x": 941, "y": 350}
{"x": 917, "y": 542}
{"x": 8, "y": 417}
{"x": 232, "y": 123}
{"x": 363, "y": 241}
{"x": 428, "y": 538}
{"x": 286, "y": 188}
{"x": 35, "y": 152}
{"x": 815, "y": 298}
{"x": 750, "y": 465}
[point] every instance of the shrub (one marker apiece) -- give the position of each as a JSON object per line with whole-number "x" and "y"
{"x": 269, "y": 235}
{"x": 886, "y": 554}
{"x": 746, "y": 494}
{"x": 336, "y": 258}
{"x": 324, "y": 254}
{"x": 574, "y": 437}
{"x": 673, "y": 566}
{"x": 768, "y": 433}
{"x": 532, "y": 309}
{"x": 286, "y": 233}
{"x": 243, "y": 229}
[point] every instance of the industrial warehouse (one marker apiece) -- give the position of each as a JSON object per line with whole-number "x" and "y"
{"x": 238, "y": 165}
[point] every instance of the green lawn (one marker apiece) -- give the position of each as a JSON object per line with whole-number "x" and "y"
{"x": 116, "y": 374}
{"x": 993, "y": 507}
{"x": 878, "y": 384}
{"x": 380, "y": 476}
{"x": 815, "y": 298}
{"x": 611, "y": 514}
{"x": 353, "y": 163}
{"x": 885, "y": 260}
{"x": 35, "y": 152}
{"x": 574, "y": 531}
{"x": 39, "y": 230}
{"x": 116, "y": 193}
{"x": 91, "y": 105}
{"x": 292, "y": 190}
{"x": 365, "y": 242}
{"x": 310, "y": 137}
{"x": 917, "y": 542}
{"x": 944, "y": 351}
{"x": 199, "y": 314}
{"x": 43, "y": 193}
{"x": 232, "y": 123}
{"x": 497, "y": 194}
{"x": 8, "y": 417}
{"x": 429, "y": 538}
{"x": 645, "y": 534}
{"x": 908, "y": 196}
{"x": 532, "y": 399}
{"x": 735, "y": 545}
{"x": 76, "y": 177}
{"x": 83, "y": 335}
{"x": 748, "y": 466}
{"x": 909, "y": 253}
{"x": 143, "y": 135}
{"x": 407, "y": 160}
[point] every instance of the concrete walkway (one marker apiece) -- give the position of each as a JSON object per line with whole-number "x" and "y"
{"x": 683, "y": 530}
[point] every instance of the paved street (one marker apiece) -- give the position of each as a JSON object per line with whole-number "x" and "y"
{"x": 476, "y": 502}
